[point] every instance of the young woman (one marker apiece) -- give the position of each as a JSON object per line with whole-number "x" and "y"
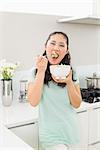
{"x": 56, "y": 98}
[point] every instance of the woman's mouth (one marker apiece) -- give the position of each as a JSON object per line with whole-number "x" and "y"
{"x": 54, "y": 55}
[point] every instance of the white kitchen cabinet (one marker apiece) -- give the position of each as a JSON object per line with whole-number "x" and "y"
{"x": 83, "y": 126}
{"x": 83, "y": 129}
{"x": 98, "y": 124}
{"x": 28, "y": 133}
{"x": 81, "y": 20}
{"x": 94, "y": 125}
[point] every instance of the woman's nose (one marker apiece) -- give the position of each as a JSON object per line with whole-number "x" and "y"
{"x": 56, "y": 47}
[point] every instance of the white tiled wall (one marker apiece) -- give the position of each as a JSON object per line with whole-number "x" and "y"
{"x": 82, "y": 72}
{"x": 20, "y": 75}
{"x": 88, "y": 70}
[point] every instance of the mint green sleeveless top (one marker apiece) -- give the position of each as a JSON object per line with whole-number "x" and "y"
{"x": 58, "y": 122}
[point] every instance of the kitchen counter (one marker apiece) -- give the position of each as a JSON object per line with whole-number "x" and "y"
{"x": 87, "y": 106}
{"x": 14, "y": 115}
{"x": 20, "y": 114}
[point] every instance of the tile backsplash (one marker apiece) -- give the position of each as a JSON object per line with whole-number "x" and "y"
{"x": 20, "y": 75}
{"x": 88, "y": 70}
{"x": 82, "y": 72}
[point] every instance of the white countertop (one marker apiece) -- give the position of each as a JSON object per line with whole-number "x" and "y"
{"x": 19, "y": 114}
{"x": 14, "y": 115}
{"x": 87, "y": 106}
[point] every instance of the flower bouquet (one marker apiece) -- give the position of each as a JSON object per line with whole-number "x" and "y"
{"x": 7, "y": 69}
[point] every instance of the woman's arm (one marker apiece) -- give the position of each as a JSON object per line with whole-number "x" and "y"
{"x": 74, "y": 94}
{"x": 35, "y": 87}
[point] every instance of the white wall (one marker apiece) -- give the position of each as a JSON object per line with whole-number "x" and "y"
{"x": 23, "y": 37}
{"x": 1, "y": 36}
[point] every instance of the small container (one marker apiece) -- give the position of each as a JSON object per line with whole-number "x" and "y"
{"x": 23, "y": 91}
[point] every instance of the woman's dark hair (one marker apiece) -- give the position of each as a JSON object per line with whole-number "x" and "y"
{"x": 66, "y": 61}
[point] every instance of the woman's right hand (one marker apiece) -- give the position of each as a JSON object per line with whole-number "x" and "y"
{"x": 41, "y": 63}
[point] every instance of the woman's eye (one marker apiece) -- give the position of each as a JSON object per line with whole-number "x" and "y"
{"x": 61, "y": 45}
{"x": 52, "y": 43}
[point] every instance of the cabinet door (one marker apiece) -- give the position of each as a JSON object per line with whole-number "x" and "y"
{"x": 94, "y": 125}
{"x": 83, "y": 128}
{"x": 98, "y": 124}
{"x": 28, "y": 133}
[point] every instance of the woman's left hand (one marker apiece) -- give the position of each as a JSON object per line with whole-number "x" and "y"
{"x": 67, "y": 80}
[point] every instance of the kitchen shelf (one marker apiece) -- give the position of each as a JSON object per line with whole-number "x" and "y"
{"x": 81, "y": 20}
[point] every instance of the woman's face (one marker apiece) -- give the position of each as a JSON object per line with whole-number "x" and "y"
{"x": 56, "y": 48}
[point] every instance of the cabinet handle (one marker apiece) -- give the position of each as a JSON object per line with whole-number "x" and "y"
{"x": 22, "y": 125}
{"x": 97, "y": 108}
{"x": 82, "y": 111}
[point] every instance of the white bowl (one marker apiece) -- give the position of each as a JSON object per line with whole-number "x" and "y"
{"x": 60, "y": 71}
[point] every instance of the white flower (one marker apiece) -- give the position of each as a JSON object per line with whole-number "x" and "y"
{"x": 7, "y": 69}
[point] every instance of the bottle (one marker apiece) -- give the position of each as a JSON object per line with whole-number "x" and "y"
{"x": 23, "y": 90}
